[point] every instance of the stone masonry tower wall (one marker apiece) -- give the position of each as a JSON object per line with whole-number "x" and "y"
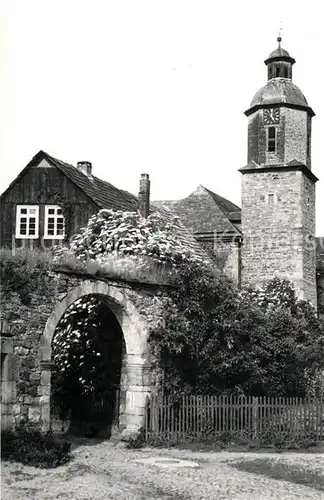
{"x": 278, "y": 220}
{"x": 278, "y": 186}
{"x": 293, "y": 138}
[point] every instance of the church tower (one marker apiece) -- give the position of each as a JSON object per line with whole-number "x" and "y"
{"x": 278, "y": 186}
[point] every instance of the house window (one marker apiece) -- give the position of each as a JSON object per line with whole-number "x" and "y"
{"x": 27, "y": 221}
{"x": 54, "y": 222}
{"x": 271, "y": 139}
{"x": 271, "y": 199}
{"x": 277, "y": 71}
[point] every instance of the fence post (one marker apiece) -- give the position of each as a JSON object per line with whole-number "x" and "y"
{"x": 255, "y": 418}
{"x": 154, "y": 410}
{"x": 147, "y": 422}
{"x": 321, "y": 433}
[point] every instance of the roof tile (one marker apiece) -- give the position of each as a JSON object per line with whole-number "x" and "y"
{"x": 204, "y": 212}
{"x": 104, "y": 194}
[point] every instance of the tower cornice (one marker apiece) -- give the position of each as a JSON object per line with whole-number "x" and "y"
{"x": 289, "y": 59}
{"x": 297, "y": 167}
{"x": 251, "y": 110}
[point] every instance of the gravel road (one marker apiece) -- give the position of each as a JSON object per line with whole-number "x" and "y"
{"x": 108, "y": 471}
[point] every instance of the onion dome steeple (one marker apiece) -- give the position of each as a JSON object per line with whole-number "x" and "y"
{"x": 279, "y": 89}
{"x": 279, "y": 63}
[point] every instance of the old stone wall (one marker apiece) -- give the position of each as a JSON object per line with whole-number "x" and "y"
{"x": 293, "y": 138}
{"x": 226, "y": 253}
{"x": 309, "y": 240}
{"x": 278, "y": 224}
{"x": 232, "y": 265}
{"x": 22, "y": 330}
{"x": 29, "y": 328}
{"x": 296, "y": 131}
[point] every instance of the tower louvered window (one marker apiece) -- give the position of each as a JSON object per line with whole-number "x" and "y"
{"x": 271, "y": 139}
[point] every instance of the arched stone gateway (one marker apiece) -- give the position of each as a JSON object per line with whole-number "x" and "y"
{"x": 135, "y": 332}
{"x": 33, "y": 325}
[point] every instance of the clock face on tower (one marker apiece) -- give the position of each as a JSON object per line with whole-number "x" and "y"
{"x": 271, "y": 116}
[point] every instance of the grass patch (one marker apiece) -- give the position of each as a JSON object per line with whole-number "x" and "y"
{"x": 23, "y": 270}
{"x": 140, "y": 269}
{"x": 282, "y": 472}
{"x": 30, "y": 257}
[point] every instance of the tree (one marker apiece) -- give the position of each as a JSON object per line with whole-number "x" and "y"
{"x": 215, "y": 338}
{"x": 257, "y": 342}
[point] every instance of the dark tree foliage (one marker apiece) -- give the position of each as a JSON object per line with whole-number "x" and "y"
{"x": 218, "y": 340}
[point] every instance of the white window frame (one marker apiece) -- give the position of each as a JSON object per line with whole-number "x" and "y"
{"x": 55, "y": 216}
{"x": 27, "y": 216}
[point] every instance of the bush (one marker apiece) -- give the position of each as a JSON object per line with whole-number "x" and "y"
{"x": 135, "y": 444}
{"x": 137, "y": 440}
{"x": 24, "y": 271}
{"x": 121, "y": 233}
{"x": 128, "y": 246}
{"x": 217, "y": 340}
{"x": 31, "y": 447}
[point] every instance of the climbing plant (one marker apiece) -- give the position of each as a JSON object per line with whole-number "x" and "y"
{"x": 81, "y": 360}
{"x": 24, "y": 272}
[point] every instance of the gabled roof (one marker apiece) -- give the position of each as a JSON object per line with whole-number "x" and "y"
{"x": 225, "y": 205}
{"x": 205, "y": 212}
{"x": 105, "y": 195}
{"x": 184, "y": 233}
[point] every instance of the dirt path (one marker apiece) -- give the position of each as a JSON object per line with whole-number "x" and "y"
{"x": 107, "y": 471}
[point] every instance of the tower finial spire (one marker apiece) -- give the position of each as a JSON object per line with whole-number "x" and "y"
{"x": 279, "y": 38}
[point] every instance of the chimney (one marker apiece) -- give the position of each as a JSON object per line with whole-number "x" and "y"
{"x": 85, "y": 167}
{"x": 144, "y": 195}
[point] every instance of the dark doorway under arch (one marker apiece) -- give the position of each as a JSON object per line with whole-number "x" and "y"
{"x": 88, "y": 350}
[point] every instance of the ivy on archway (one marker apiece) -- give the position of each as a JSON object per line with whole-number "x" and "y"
{"x": 78, "y": 346}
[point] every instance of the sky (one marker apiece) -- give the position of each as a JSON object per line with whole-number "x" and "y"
{"x": 149, "y": 86}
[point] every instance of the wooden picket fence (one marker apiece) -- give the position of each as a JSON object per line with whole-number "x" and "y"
{"x": 205, "y": 417}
